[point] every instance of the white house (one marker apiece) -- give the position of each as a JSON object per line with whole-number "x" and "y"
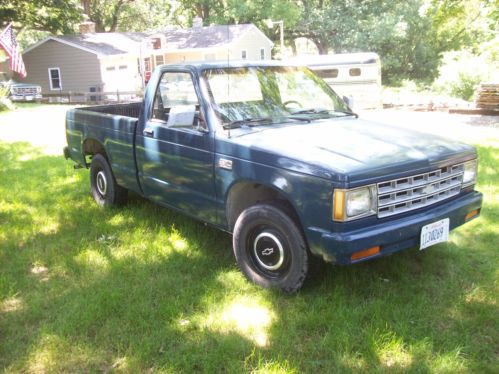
{"x": 107, "y": 62}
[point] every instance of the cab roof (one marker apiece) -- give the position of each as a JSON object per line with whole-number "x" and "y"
{"x": 220, "y": 64}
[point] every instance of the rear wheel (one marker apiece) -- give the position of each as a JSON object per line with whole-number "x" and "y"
{"x": 270, "y": 249}
{"x": 105, "y": 190}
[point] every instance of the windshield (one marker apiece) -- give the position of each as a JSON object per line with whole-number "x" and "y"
{"x": 266, "y": 95}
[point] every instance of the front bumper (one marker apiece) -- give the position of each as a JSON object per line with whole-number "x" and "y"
{"x": 25, "y": 97}
{"x": 393, "y": 235}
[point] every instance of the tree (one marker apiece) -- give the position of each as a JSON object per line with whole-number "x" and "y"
{"x": 127, "y": 15}
{"x": 54, "y": 16}
{"x": 105, "y": 13}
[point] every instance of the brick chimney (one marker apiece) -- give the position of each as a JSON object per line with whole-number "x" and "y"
{"x": 87, "y": 27}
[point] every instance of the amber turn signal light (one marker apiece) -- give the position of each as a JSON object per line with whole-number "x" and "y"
{"x": 339, "y": 205}
{"x": 471, "y": 214}
{"x": 365, "y": 253}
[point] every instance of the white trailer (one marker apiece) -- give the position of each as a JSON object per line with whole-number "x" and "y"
{"x": 354, "y": 75}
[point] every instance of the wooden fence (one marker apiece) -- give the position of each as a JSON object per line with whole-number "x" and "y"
{"x": 92, "y": 97}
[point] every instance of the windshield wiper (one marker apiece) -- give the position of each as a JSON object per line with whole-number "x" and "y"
{"x": 347, "y": 113}
{"x": 302, "y": 119}
{"x": 247, "y": 121}
{"x": 324, "y": 111}
{"x": 311, "y": 111}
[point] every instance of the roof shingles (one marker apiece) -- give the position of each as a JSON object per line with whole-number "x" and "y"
{"x": 129, "y": 42}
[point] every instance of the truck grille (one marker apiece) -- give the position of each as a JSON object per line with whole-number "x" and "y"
{"x": 418, "y": 191}
{"x": 24, "y": 90}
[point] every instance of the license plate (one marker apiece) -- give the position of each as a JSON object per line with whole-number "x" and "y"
{"x": 29, "y": 98}
{"x": 434, "y": 233}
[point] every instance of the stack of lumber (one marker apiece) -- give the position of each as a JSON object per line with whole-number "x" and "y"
{"x": 487, "y": 96}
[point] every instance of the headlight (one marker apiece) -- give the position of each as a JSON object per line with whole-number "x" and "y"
{"x": 355, "y": 203}
{"x": 469, "y": 176}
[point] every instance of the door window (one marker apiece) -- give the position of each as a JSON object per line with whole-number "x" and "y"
{"x": 176, "y": 103}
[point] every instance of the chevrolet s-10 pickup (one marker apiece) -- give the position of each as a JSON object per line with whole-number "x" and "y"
{"x": 269, "y": 153}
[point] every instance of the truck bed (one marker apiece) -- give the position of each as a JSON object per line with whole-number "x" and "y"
{"x": 113, "y": 126}
{"x": 125, "y": 110}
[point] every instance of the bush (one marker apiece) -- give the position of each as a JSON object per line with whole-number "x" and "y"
{"x": 461, "y": 72}
{"x": 465, "y": 86}
{"x": 5, "y": 103}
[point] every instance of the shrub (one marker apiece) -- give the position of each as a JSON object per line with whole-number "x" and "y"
{"x": 5, "y": 103}
{"x": 461, "y": 72}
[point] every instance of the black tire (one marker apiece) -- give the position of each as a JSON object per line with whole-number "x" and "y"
{"x": 270, "y": 249}
{"x": 105, "y": 190}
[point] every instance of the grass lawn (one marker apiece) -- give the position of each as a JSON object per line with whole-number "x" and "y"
{"x": 143, "y": 288}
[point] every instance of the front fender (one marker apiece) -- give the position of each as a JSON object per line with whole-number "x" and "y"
{"x": 310, "y": 196}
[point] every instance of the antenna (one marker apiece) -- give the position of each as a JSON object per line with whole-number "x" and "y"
{"x": 228, "y": 74}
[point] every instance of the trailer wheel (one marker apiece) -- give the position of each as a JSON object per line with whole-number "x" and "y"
{"x": 105, "y": 190}
{"x": 270, "y": 248}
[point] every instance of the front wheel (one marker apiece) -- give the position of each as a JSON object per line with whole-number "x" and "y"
{"x": 270, "y": 248}
{"x": 105, "y": 190}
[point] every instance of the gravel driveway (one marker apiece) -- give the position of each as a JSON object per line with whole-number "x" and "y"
{"x": 43, "y": 125}
{"x": 463, "y": 127}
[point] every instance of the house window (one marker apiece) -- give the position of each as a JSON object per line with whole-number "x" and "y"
{"x": 262, "y": 53}
{"x": 147, "y": 64}
{"x": 327, "y": 73}
{"x": 354, "y": 72}
{"x": 244, "y": 54}
{"x": 156, "y": 43}
{"x": 55, "y": 79}
{"x": 159, "y": 60}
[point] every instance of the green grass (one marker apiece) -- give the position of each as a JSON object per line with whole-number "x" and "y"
{"x": 143, "y": 288}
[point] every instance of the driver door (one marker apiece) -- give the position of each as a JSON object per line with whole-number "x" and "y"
{"x": 175, "y": 150}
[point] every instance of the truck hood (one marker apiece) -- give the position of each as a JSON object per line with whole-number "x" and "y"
{"x": 349, "y": 149}
{"x": 22, "y": 85}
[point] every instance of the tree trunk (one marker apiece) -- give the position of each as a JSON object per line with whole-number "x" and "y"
{"x": 116, "y": 15}
{"x": 293, "y": 46}
{"x": 321, "y": 46}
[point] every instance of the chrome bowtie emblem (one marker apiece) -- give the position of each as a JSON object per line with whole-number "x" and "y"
{"x": 267, "y": 251}
{"x": 428, "y": 189}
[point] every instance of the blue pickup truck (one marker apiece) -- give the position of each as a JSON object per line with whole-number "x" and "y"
{"x": 270, "y": 154}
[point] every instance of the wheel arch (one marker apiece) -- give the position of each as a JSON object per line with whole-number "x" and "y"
{"x": 245, "y": 193}
{"x": 91, "y": 147}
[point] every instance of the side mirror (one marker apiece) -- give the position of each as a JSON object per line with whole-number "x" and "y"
{"x": 349, "y": 101}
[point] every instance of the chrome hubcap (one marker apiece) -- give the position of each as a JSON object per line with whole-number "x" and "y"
{"x": 101, "y": 183}
{"x": 268, "y": 251}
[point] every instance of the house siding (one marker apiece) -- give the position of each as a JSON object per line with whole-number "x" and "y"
{"x": 79, "y": 69}
{"x": 252, "y": 42}
{"x": 124, "y": 76}
{"x": 180, "y": 56}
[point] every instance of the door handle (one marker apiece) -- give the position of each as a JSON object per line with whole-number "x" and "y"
{"x": 148, "y": 132}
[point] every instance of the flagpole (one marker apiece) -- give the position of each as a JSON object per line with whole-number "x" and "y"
{"x": 1, "y": 34}
{"x": 5, "y": 29}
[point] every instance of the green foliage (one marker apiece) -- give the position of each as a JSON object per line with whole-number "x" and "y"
{"x": 5, "y": 103}
{"x": 461, "y": 72}
{"x": 55, "y": 16}
{"x": 127, "y": 15}
{"x": 410, "y": 36}
{"x": 464, "y": 88}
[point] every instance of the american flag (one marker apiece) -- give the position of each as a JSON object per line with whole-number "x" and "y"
{"x": 9, "y": 44}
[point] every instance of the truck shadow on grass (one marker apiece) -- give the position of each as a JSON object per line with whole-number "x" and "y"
{"x": 143, "y": 287}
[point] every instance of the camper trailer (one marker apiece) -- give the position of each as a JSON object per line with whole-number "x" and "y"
{"x": 354, "y": 75}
